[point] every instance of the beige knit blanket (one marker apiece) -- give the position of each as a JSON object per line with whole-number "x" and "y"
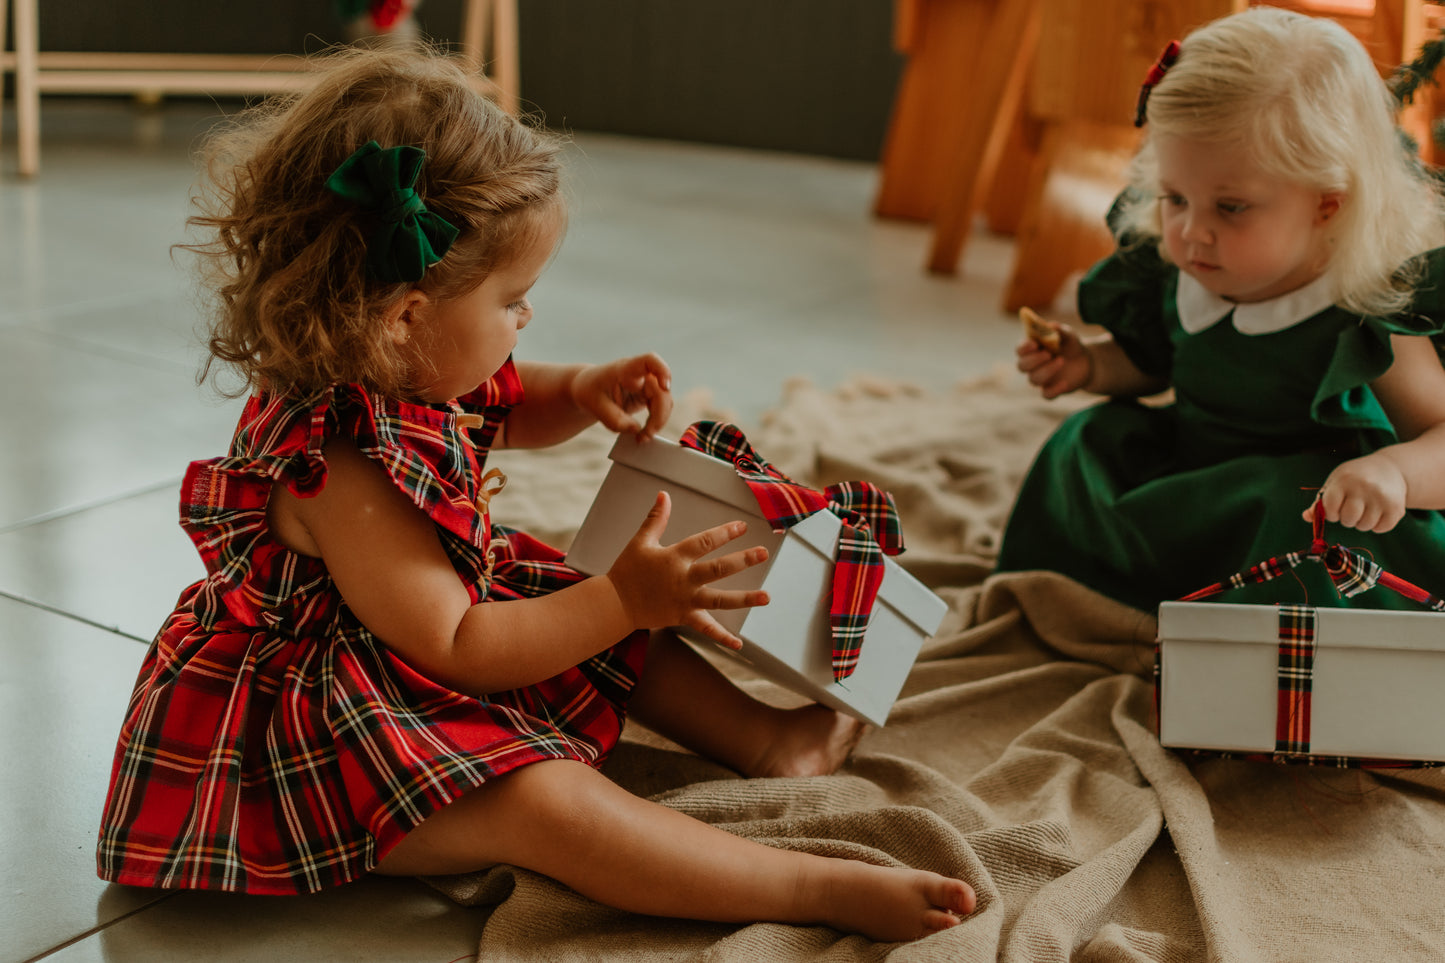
{"x": 1020, "y": 756}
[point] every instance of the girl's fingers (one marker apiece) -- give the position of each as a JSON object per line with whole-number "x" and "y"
{"x": 711, "y": 539}
{"x": 653, "y": 525}
{"x": 1351, "y": 512}
{"x": 707, "y": 626}
{"x": 659, "y": 406}
{"x": 731, "y": 564}
{"x": 611, "y": 414}
{"x": 749, "y": 599}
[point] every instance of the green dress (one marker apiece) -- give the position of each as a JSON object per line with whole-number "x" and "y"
{"x": 1147, "y": 504}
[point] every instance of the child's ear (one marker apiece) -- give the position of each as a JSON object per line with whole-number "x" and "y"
{"x": 1330, "y": 203}
{"x": 402, "y": 318}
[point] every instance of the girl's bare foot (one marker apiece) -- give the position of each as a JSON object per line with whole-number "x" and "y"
{"x": 892, "y": 904}
{"x": 813, "y": 740}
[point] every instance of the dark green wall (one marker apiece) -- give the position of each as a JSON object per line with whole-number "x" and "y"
{"x": 811, "y": 76}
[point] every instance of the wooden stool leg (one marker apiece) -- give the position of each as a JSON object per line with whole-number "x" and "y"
{"x": 1004, "y": 184}
{"x": 942, "y": 41}
{"x": 4, "y": 42}
{"x": 506, "y": 68}
{"x": 1076, "y": 177}
{"x": 27, "y": 90}
{"x": 993, "y": 100}
{"x": 493, "y": 24}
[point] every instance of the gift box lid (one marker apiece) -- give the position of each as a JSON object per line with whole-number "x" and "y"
{"x": 1361, "y": 628}
{"x": 687, "y": 467}
{"x": 718, "y": 480}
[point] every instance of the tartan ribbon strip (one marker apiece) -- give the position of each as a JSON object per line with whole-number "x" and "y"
{"x": 1295, "y": 675}
{"x": 1350, "y": 572}
{"x": 870, "y": 530}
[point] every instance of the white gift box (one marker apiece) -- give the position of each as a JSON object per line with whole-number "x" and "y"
{"x": 1377, "y": 681}
{"x": 787, "y": 640}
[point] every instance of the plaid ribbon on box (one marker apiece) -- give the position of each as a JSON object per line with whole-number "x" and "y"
{"x": 1351, "y": 574}
{"x": 1296, "y": 678}
{"x": 870, "y": 530}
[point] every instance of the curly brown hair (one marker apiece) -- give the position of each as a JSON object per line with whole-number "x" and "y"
{"x": 285, "y": 257}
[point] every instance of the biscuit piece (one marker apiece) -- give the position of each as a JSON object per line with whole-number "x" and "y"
{"x": 1038, "y": 329}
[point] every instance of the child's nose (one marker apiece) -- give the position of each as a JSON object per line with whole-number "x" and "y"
{"x": 1197, "y": 229}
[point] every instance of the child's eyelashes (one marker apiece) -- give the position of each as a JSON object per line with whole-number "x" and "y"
{"x": 522, "y": 305}
{"x": 1229, "y": 208}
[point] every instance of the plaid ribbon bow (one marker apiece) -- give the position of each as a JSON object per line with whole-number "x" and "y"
{"x": 1352, "y": 574}
{"x": 870, "y": 530}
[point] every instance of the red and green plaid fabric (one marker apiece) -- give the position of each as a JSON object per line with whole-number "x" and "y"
{"x": 870, "y": 530}
{"x": 273, "y": 744}
{"x": 1295, "y": 676}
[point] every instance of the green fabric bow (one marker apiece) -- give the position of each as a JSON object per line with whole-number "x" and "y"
{"x": 408, "y": 238}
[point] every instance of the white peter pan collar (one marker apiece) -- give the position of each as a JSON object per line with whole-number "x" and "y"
{"x": 1200, "y": 309}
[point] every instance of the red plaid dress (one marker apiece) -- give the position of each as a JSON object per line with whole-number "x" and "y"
{"x": 273, "y": 744}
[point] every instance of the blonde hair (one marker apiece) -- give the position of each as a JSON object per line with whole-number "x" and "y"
{"x": 1303, "y": 97}
{"x": 294, "y": 307}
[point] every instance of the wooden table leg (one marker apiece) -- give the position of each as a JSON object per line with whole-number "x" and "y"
{"x": 942, "y": 40}
{"x": 990, "y": 106}
{"x": 27, "y": 90}
{"x": 1079, "y": 171}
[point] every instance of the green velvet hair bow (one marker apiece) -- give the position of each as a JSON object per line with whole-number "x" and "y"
{"x": 408, "y": 238}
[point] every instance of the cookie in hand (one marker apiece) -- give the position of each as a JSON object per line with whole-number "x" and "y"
{"x": 1040, "y": 330}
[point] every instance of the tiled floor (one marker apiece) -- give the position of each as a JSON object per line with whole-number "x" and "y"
{"x": 740, "y": 268}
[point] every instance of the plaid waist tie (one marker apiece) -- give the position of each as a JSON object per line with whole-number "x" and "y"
{"x": 1351, "y": 574}
{"x": 870, "y": 530}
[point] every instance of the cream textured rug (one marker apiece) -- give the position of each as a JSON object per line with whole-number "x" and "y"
{"x": 1020, "y": 756}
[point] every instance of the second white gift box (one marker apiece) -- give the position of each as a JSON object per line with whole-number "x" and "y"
{"x": 788, "y": 640}
{"x": 1375, "y": 686}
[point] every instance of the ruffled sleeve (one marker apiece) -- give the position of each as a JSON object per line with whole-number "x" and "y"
{"x": 431, "y": 453}
{"x": 1126, "y": 293}
{"x": 1363, "y": 353}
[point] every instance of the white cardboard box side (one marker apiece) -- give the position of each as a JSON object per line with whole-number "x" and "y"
{"x": 781, "y": 640}
{"x": 1377, "y": 681}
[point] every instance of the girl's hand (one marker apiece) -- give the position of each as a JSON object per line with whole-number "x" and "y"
{"x": 613, "y": 392}
{"x": 661, "y": 585}
{"x": 1364, "y": 493}
{"x": 1057, "y": 372}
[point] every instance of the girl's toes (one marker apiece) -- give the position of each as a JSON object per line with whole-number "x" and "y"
{"x": 936, "y": 921}
{"x": 954, "y": 895}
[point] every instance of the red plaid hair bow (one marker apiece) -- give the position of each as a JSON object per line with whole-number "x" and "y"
{"x": 870, "y": 530}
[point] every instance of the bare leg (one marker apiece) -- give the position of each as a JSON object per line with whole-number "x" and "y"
{"x": 568, "y": 821}
{"x": 685, "y": 698}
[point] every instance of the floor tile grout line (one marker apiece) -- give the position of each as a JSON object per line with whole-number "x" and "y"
{"x": 104, "y": 351}
{"x": 87, "y": 506}
{"x": 87, "y": 934}
{"x": 28, "y": 316}
{"x": 55, "y": 610}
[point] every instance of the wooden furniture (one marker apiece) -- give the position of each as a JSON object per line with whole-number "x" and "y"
{"x": 1021, "y": 110}
{"x": 1082, "y": 91}
{"x": 489, "y": 39}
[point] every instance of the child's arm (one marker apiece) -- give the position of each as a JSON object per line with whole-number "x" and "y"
{"x": 562, "y": 400}
{"x": 1096, "y": 364}
{"x": 1371, "y": 493}
{"x": 387, "y": 562}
